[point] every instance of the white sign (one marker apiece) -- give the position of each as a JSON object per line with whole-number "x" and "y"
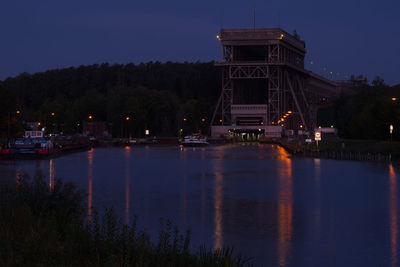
{"x": 317, "y": 136}
{"x": 391, "y": 128}
{"x": 308, "y": 140}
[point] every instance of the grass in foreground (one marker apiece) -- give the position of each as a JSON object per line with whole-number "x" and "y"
{"x": 40, "y": 226}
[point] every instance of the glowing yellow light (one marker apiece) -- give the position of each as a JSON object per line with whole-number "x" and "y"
{"x": 127, "y": 118}
{"x": 203, "y": 119}
{"x": 52, "y": 114}
{"x": 220, "y": 121}
{"x": 38, "y": 123}
{"x": 319, "y": 127}
{"x": 394, "y": 98}
{"x": 281, "y": 37}
{"x": 90, "y": 117}
{"x": 290, "y": 112}
{"x": 218, "y": 37}
{"x": 18, "y": 111}
{"x": 301, "y": 126}
{"x": 184, "y": 119}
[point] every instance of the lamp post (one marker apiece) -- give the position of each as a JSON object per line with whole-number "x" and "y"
{"x": 391, "y": 132}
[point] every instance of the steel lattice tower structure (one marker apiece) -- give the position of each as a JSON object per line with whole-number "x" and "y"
{"x": 264, "y": 82}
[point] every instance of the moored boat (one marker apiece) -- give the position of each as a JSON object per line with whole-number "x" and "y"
{"x": 195, "y": 140}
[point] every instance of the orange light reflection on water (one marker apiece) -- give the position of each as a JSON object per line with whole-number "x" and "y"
{"x": 51, "y": 174}
{"x": 127, "y": 183}
{"x": 203, "y": 200}
{"x": 285, "y": 207}
{"x": 393, "y": 214}
{"x": 90, "y": 183}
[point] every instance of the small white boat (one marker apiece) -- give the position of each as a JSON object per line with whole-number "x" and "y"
{"x": 195, "y": 140}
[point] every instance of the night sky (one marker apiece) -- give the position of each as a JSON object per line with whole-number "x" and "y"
{"x": 343, "y": 37}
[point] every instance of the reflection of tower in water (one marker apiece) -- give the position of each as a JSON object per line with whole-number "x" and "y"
{"x": 90, "y": 183}
{"x": 393, "y": 211}
{"x": 218, "y": 200}
{"x": 285, "y": 207}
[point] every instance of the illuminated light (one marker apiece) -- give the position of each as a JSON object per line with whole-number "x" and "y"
{"x": 146, "y": 132}
{"x": 282, "y": 119}
{"x": 290, "y": 112}
{"x": 18, "y": 111}
{"x": 219, "y": 37}
{"x": 262, "y": 123}
{"x": 184, "y": 119}
{"x": 278, "y": 122}
{"x": 52, "y": 114}
{"x": 220, "y": 121}
{"x": 203, "y": 119}
{"x": 281, "y": 37}
{"x": 282, "y": 125}
{"x": 273, "y": 122}
{"x": 181, "y": 130}
{"x": 301, "y": 126}
{"x": 127, "y": 118}
{"x": 259, "y": 130}
{"x": 90, "y": 117}
{"x": 38, "y": 123}
{"x": 319, "y": 127}
{"x": 394, "y": 98}
{"x": 331, "y": 126}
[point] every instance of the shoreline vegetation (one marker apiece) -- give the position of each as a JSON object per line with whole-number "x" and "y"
{"x": 342, "y": 149}
{"x": 47, "y": 226}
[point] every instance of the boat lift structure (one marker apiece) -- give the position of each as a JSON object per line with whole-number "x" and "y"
{"x": 265, "y": 85}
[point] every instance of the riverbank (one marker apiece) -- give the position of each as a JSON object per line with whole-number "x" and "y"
{"x": 47, "y": 226}
{"x": 342, "y": 149}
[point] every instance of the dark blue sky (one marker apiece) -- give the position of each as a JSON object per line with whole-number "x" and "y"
{"x": 342, "y": 36}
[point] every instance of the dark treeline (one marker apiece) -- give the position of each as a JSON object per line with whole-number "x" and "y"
{"x": 367, "y": 114}
{"x": 156, "y": 96}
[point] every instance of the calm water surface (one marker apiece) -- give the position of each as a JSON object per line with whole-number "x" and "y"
{"x": 281, "y": 211}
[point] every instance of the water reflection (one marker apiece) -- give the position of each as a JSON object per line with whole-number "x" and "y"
{"x": 127, "y": 183}
{"x": 90, "y": 182}
{"x": 51, "y": 174}
{"x": 393, "y": 214}
{"x": 285, "y": 207}
{"x": 218, "y": 201}
{"x": 203, "y": 200}
{"x": 18, "y": 176}
{"x": 317, "y": 176}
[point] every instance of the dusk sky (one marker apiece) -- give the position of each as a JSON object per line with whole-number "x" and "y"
{"x": 343, "y": 36}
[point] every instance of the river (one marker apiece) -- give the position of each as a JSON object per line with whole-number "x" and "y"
{"x": 278, "y": 210}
